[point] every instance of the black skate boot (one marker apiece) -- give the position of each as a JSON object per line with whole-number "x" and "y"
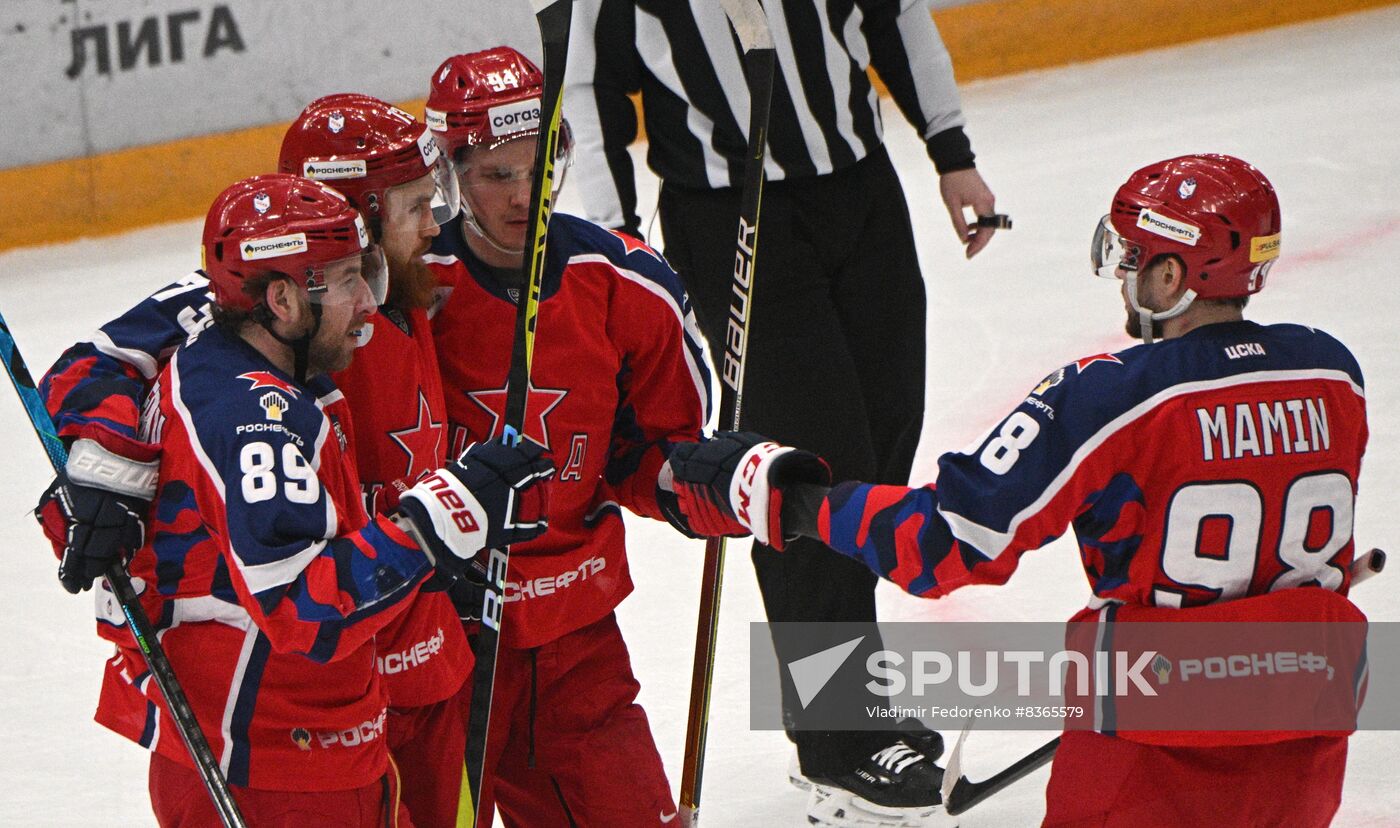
{"x": 896, "y": 787}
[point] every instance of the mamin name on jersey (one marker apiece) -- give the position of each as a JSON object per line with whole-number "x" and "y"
{"x": 1258, "y": 429}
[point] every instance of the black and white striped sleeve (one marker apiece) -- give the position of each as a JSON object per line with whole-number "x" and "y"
{"x": 909, "y": 56}
{"x": 603, "y": 69}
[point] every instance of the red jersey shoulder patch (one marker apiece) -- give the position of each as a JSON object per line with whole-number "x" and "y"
{"x": 631, "y": 244}
{"x": 1081, "y": 364}
{"x": 266, "y": 379}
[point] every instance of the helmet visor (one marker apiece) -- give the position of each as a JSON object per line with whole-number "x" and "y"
{"x": 1109, "y": 252}
{"x": 446, "y": 199}
{"x": 481, "y": 166}
{"x": 481, "y": 172}
{"x": 353, "y": 279}
{"x": 427, "y": 202}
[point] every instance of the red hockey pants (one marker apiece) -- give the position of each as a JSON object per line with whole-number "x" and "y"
{"x": 1104, "y": 782}
{"x": 429, "y": 746}
{"x": 180, "y": 801}
{"x": 569, "y": 744}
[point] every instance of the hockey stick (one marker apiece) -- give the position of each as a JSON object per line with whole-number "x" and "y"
{"x": 553, "y": 18}
{"x": 120, "y": 582}
{"x": 746, "y": 16}
{"x": 961, "y": 793}
{"x": 1368, "y": 565}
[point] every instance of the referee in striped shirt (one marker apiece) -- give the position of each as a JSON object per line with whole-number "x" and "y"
{"x": 835, "y": 361}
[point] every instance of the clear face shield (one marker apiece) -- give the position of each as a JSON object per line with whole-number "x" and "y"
{"x": 492, "y": 174}
{"x": 487, "y": 167}
{"x": 1110, "y": 252}
{"x": 355, "y": 279}
{"x": 1114, "y": 257}
{"x": 413, "y": 211}
{"x": 483, "y": 167}
{"x": 445, "y": 200}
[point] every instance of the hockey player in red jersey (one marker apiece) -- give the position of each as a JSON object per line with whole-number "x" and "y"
{"x": 619, "y": 375}
{"x": 1209, "y": 474}
{"x": 268, "y": 578}
{"x": 388, "y": 164}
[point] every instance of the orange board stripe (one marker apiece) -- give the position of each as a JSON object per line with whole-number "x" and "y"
{"x": 118, "y": 191}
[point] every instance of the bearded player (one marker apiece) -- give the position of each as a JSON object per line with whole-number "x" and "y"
{"x": 388, "y": 164}
{"x": 268, "y": 580}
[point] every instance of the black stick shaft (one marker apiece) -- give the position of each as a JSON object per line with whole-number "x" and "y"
{"x": 758, "y": 65}
{"x": 553, "y": 18}
{"x": 973, "y": 793}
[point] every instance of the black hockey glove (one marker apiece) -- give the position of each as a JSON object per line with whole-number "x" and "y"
{"x": 493, "y": 495}
{"x": 705, "y": 518}
{"x": 744, "y": 477}
{"x": 94, "y": 511}
{"x": 468, "y": 594}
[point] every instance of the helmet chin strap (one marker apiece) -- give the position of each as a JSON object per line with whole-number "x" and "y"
{"x": 301, "y": 345}
{"x": 1145, "y": 315}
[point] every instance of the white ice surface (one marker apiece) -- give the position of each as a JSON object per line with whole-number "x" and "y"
{"x": 1315, "y": 106}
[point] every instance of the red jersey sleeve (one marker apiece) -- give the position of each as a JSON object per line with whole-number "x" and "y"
{"x": 664, "y": 385}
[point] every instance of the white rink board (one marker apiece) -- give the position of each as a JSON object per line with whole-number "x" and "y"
{"x": 1313, "y": 105}
{"x": 180, "y": 68}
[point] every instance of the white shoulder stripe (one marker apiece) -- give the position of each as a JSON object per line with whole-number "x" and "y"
{"x": 187, "y": 420}
{"x": 273, "y": 574}
{"x": 331, "y": 397}
{"x": 992, "y": 543}
{"x": 316, "y": 454}
{"x": 136, "y": 358}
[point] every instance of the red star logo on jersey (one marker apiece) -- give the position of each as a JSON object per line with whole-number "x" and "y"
{"x": 421, "y": 442}
{"x": 1081, "y": 364}
{"x": 631, "y": 244}
{"x": 538, "y": 404}
{"x": 264, "y": 379}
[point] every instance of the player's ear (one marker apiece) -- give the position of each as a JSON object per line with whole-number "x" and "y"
{"x": 1173, "y": 278}
{"x": 283, "y": 299}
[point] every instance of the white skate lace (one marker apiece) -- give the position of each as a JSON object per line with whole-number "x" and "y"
{"x": 897, "y": 757}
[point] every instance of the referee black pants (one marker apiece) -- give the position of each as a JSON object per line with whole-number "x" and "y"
{"x": 835, "y": 365}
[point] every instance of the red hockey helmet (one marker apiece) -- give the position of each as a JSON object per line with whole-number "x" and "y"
{"x": 1217, "y": 213}
{"x": 363, "y": 146}
{"x": 487, "y": 98}
{"x": 283, "y": 224}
